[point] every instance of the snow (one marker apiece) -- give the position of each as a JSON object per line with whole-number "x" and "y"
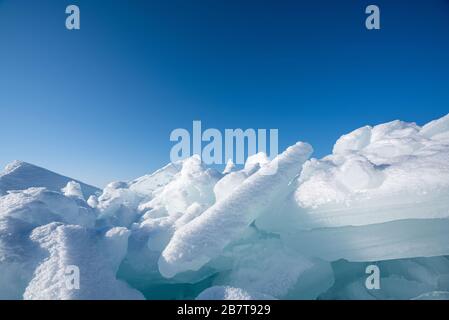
{"x": 73, "y": 189}
{"x": 230, "y": 166}
{"x": 20, "y": 175}
{"x": 96, "y": 256}
{"x": 376, "y": 242}
{"x": 194, "y": 183}
{"x": 117, "y": 205}
{"x": 196, "y": 243}
{"x": 293, "y": 227}
{"x": 147, "y": 184}
{"x": 400, "y": 172}
{"x": 436, "y": 127}
{"x": 37, "y": 205}
{"x": 20, "y": 213}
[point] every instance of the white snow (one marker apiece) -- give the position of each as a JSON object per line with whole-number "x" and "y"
{"x": 20, "y": 175}
{"x": 73, "y": 189}
{"x": 230, "y": 166}
{"x": 205, "y": 237}
{"x": 20, "y": 213}
{"x": 147, "y": 184}
{"x": 289, "y": 228}
{"x": 389, "y": 172}
{"x": 97, "y": 257}
{"x": 36, "y": 205}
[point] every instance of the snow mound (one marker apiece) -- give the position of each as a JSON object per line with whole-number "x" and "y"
{"x": 73, "y": 189}
{"x": 74, "y": 250}
{"x": 39, "y": 205}
{"x": 172, "y": 188}
{"x": 378, "y": 174}
{"x": 20, "y": 175}
{"x": 20, "y": 213}
{"x": 117, "y": 205}
{"x": 193, "y": 184}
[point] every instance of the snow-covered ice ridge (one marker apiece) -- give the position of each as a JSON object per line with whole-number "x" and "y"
{"x": 188, "y": 231}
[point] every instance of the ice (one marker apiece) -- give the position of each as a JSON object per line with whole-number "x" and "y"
{"x": 73, "y": 189}
{"x": 188, "y": 194}
{"x": 117, "y": 205}
{"x": 401, "y": 173}
{"x": 376, "y": 242}
{"x": 355, "y": 141}
{"x": 18, "y": 257}
{"x": 168, "y": 191}
{"x": 256, "y": 161}
{"x": 402, "y": 279}
{"x": 287, "y": 228}
{"x": 436, "y": 127}
{"x": 20, "y": 175}
{"x": 92, "y": 201}
{"x": 234, "y": 178}
{"x": 263, "y": 264}
{"x": 147, "y": 184}
{"x": 205, "y": 237}
{"x": 194, "y": 183}
{"x": 38, "y": 206}
{"x": 228, "y": 183}
{"x": 20, "y": 213}
{"x": 230, "y": 166}
{"x": 96, "y": 256}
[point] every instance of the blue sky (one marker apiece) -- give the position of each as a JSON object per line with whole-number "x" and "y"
{"x": 99, "y": 104}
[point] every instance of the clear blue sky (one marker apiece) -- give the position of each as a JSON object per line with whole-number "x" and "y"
{"x": 99, "y": 104}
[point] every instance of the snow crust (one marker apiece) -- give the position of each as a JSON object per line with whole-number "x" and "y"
{"x": 96, "y": 255}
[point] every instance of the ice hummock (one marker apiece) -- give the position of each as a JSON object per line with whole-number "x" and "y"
{"x": 21, "y": 212}
{"x": 196, "y": 243}
{"x": 96, "y": 256}
{"x": 390, "y": 172}
{"x": 289, "y": 228}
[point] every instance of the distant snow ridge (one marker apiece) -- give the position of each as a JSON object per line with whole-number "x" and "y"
{"x": 20, "y": 175}
{"x": 306, "y": 230}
